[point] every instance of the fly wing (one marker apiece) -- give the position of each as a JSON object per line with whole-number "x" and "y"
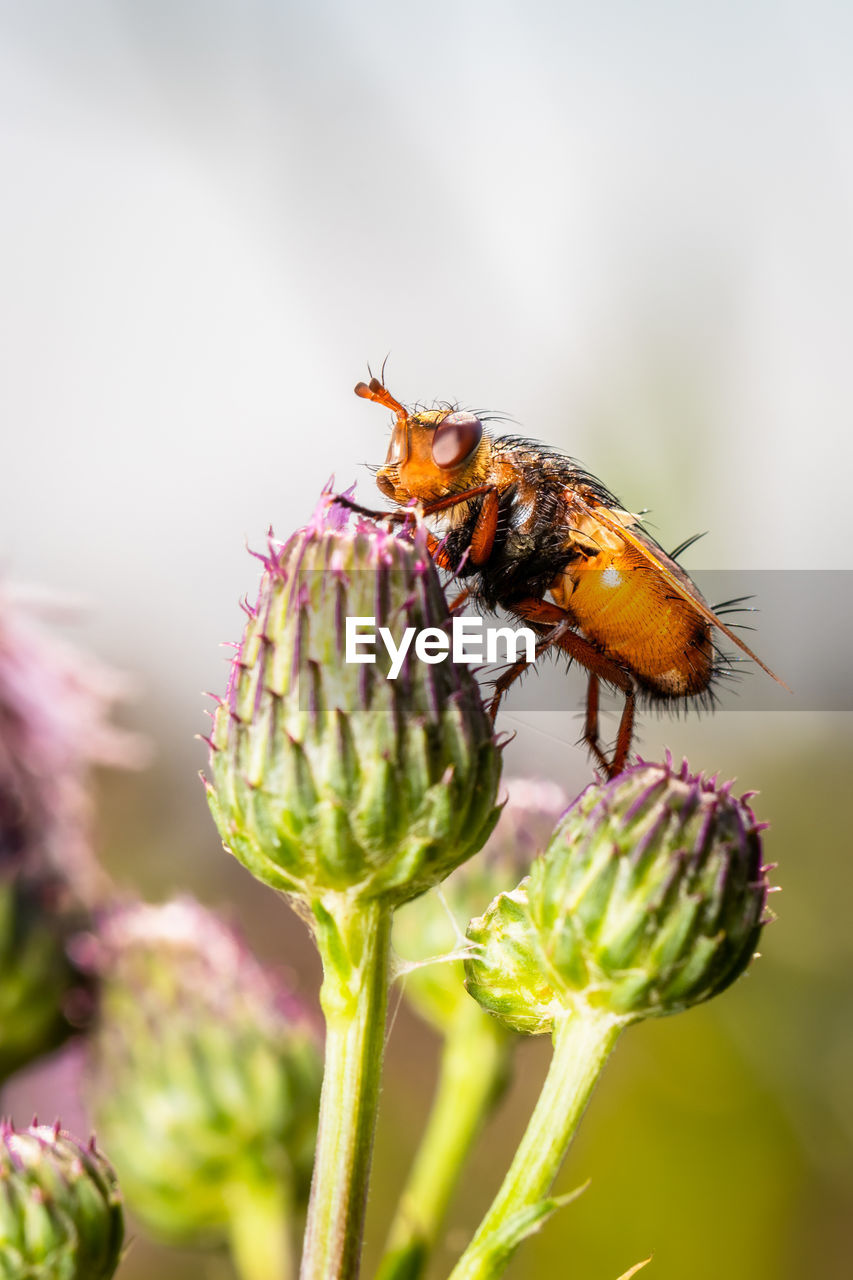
{"x": 657, "y": 560}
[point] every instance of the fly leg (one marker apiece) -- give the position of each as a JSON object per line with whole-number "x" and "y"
{"x": 503, "y": 682}
{"x": 438, "y": 552}
{"x": 459, "y": 601}
{"x": 590, "y": 728}
{"x": 485, "y": 530}
{"x": 397, "y": 516}
{"x": 599, "y": 666}
{"x": 486, "y": 525}
{"x": 623, "y": 736}
{"x": 456, "y": 499}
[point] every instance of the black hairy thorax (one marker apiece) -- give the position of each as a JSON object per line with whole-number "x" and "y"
{"x": 532, "y": 543}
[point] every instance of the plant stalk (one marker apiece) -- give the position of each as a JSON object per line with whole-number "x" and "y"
{"x": 354, "y": 943}
{"x": 582, "y": 1045}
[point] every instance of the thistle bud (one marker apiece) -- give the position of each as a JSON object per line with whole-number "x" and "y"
{"x": 331, "y": 775}
{"x": 650, "y": 898}
{"x": 60, "y": 1207}
{"x": 205, "y": 1081}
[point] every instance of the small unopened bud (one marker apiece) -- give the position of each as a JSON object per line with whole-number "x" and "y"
{"x": 333, "y": 776}
{"x": 205, "y": 1079}
{"x": 60, "y": 1207}
{"x": 649, "y": 899}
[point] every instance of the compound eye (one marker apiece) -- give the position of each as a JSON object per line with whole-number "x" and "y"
{"x": 456, "y": 437}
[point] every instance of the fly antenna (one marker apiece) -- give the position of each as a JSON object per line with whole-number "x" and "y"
{"x": 374, "y": 390}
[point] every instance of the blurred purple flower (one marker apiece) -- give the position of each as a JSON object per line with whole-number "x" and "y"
{"x": 55, "y": 704}
{"x": 54, "y": 726}
{"x": 527, "y": 819}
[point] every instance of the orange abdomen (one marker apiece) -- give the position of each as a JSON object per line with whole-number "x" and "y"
{"x": 632, "y": 615}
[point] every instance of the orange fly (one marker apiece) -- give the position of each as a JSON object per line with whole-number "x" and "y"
{"x": 532, "y": 533}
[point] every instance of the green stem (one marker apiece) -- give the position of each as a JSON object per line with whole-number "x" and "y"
{"x": 582, "y": 1044}
{"x": 353, "y": 939}
{"x": 259, "y": 1231}
{"x": 473, "y": 1073}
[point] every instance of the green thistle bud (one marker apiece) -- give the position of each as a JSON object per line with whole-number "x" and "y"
{"x": 205, "y": 1080}
{"x": 328, "y": 776}
{"x": 650, "y": 898}
{"x": 60, "y": 1208}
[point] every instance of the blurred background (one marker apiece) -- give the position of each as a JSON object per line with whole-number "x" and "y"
{"x": 626, "y": 226}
